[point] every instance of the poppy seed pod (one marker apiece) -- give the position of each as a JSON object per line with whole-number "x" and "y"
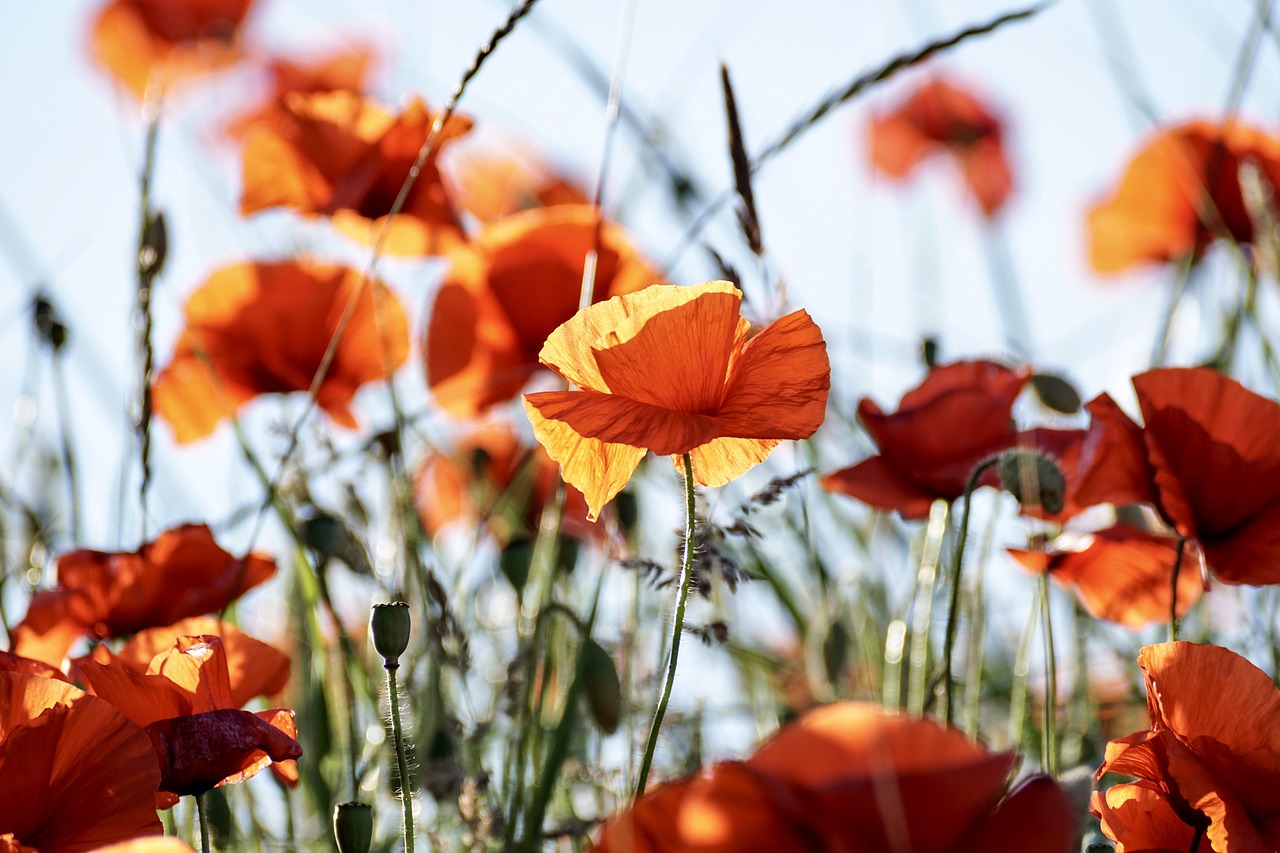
{"x": 1034, "y": 479}
{"x": 353, "y": 827}
{"x": 389, "y": 624}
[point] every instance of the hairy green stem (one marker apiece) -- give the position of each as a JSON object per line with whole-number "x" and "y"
{"x": 1051, "y": 682}
{"x": 406, "y": 793}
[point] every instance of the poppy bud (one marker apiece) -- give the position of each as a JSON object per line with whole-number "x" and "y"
{"x": 601, "y": 687}
{"x": 353, "y": 827}
{"x": 389, "y": 625}
{"x": 1057, "y": 393}
{"x": 1034, "y": 479}
{"x": 514, "y": 563}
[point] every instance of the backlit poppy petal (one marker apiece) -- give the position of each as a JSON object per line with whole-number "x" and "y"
{"x": 345, "y": 70}
{"x": 723, "y": 460}
{"x": 10, "y": 662}
{"x": 491, "y": 187}
{"x": 1138, "y": 817}
{"x": 876, "y": 482}
{"x": 1113, "y": 465}
{"x": 620, "y": 420}
{"x": 142, "y": 698}
{"x": 198, "y": 752}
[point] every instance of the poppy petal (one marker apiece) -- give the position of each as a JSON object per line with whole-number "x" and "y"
{"x": 876, "y": 482}
{"x": 198, "y": 752}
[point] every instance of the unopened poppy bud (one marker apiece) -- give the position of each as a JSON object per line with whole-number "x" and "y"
{"x": 1034, "y": 479}
{"x": 389, "y": 625}
{"x": 1057, "y": 393}
{"x": 353, "y": 827}
{"x": 514, "y": 563}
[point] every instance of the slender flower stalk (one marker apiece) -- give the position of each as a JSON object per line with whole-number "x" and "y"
{"x": 151, "y": 251}
{"x": 1051, "y": 683}
{"x": 390, "y": 627}
{"x": 204, "y": 824}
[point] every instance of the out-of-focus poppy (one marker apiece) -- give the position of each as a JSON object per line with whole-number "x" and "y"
{"x": 339, "y": 155}
{"x": 163, "y": 844}
{"x": 1180, "y": 192}
{"x": 852, "y": 776}
{"x": 494, "y": 186}
{"x": 1207, "y": 456}
{"x": 9, "y": 662}
{"x": 185, "y": 702}
{"x": 104, "y": 594}
{"x": 1208, "y": 770}
{"x": 958, "y": 416}
{"x": 75, "y": 774}
{"x": 1121, "y": 574}
{"x": 347, "y": 70}
{"x": 263, "y": 328}
{"x": 507, "y": 291}
{"x": 675, "y": 370}
{"x": 941, "y": 117}
{"x": 142, "y": 42}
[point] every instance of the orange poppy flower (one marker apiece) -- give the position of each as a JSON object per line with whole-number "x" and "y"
{"x": 852, "y": 776}
{"x": 1207, "y": 457}
{"x": 346, "y": 70}
{"x": 1180, "y": 192}
{"x": 942, "y": 117}
{"x": 101, "y": 594}
{"x": 263, "y": 328}
{"x": 75, "y": 774}
{"x": 923, "y": 456}
{"x": 507, "y": 291}
{"x": 1121, "y": 574}
{"x": 339, "y": 155}
{"x": 1207, "y": 768}
{"x": 674, "y": 370}
{"x": 160, "y": 41}
{"x": 185, "y": 702}
{"x": 493, "y": 187}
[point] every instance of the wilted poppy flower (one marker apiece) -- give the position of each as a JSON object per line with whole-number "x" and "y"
{"x": 143, "y": 42}
{"x": 340, "y": 155}
{"x": 185, "y": 702}
{"x": 675, "y": 370}
{"x": 1122, "y": 574}
{"x": 111, "y": 594}
{"x": 263, "y": 328}
{"x": 346, "y": 70}
{"x": 852, "y": 776}
{"x": 506, "y": 292}
{"x": 1208, "y": 458}
{"x": 1179, "y": 193}
{"x": 958, "y": 416}
{"x": 75, "y": 774}
{"x": 492, "y": 187}
{"x": 942, "y": 117}
{"x": 1208, "y": 768}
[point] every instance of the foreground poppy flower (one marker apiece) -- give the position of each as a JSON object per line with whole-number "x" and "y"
{"x": 346, "y": 70}
{"x": 263, "y": 328}
{"x": 185, "y": 702}
{"x": 923, "y": 455}
{"x": 1208, "y": 458}
{"x": 1208, "y": 771}
{"x": 493, "y": 187}
{"x": 852, "y": 776}
{"x": 339, "y": 155}
{"x": 141, "y": 42}
{"x": 75, "y": 774}
{"x": 102, "y": 594}
{"x": 671, "y": 369}
{"x": 942, "y": 117}
{"x": 503, "y": 295}
{"x": 1180, "y": 192}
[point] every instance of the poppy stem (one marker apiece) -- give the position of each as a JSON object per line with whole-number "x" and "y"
{"x": 150, "y": 259}
{"x": 402, "y": 764}
{"x": 1173, "y": 589}
{"x": 1051, "y": 682}
{"x": 677, "y": 626}
{"x": 204, "y": 824}
{"x": 953, "y": 608}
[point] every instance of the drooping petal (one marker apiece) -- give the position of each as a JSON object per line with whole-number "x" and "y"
{"x": 621, "y": 420}
{"x": 198, "y": 752}
{"x": 1037, "y": 816}
{"x": 1113, "y": 465}
{"x": 875, "y": 481}
{"x": 723, "y": 460}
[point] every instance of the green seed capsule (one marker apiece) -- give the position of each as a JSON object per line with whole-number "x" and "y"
{"x": 389, "y": 625}
{"x": 353, "y": 827}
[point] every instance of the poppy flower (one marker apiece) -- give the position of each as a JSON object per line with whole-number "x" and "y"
{"x": 142, "y": 42}
{"x": 675, "y": 370}
{"x": 1121, "y": 574}
{"x": 104, "y": 594}
{"x": 1207, "y": 457}
{"x": 941, "y": 117}
{"x": 263, "y": 328}
{"x": 9, "y": 662}
{"x": 852, "y": 776}
{"x": 923, "y": 455}
{"x": 75, "y": 774}
{"x": 185, "y": 702}
{"x": 493, "y": 187}
{"x": 1207, "y": 768}
{"x": 346, "y": 70}
{"x": 1180, "y": 192}
{"x": 505, "y": 293}
{"x": 340, "y": 155}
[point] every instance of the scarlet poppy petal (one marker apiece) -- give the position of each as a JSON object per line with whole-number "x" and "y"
{"x": 198, "y": 752}
{"x": 193, "y": 398}
{"x": 10, "y": 662}
{"x": 1250, "y": 554}
{"x": 164, "y": 844}
{"x": 1036, "y": 816}
{"x": 1138, "y": 817}
{"x": 878, "y": 483}
{"x": 620, "y": 420}
{"x": 897, "y": 145}
{"x": 1113, "y": 465}
{"x": 733, "y": 810}
{"x": 985, "y": 168}
{"x": 724, "y": 460}
{"x": 650, "y": 825}
{"x": 48, "y": 631}
{"x": 142, "y": 698}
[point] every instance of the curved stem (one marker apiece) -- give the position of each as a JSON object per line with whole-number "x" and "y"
{"x": 406, "y": 795}
{"x": 204, "y": 824}
{"x": 677, "y": 627}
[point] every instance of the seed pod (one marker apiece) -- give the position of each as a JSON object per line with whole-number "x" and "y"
{"x": 353, "y": 827}
{"x": 389, "y": 624}
{"x": 601, "y": 687}
{"x": 1057, "y": 393}
{"x": 1034, "y": 479}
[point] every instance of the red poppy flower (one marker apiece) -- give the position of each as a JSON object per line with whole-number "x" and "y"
{"x": 346, "y": 70}
{"x": 339, "y": 155}
{"x": 141, "y": 42}
{"x": 1207, "y": 768}
{"x": 852, "y": 776}
{"x": 674, "y": 370}
{"x": 493, "y": 187}
{"x": 185, "y": 702}
{"x": 1180, "y": 192}
{"x": 1122, "y": 574}
{"x": 263, "y": 328}
{"x": 924, "y": 455}
{"x": 101, "y": 594}
{"x": 74, "y": 773}
{"x": 942, "y": 117}
{"x": 1207, "y": 456}
{"x": 507, "y": 291}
